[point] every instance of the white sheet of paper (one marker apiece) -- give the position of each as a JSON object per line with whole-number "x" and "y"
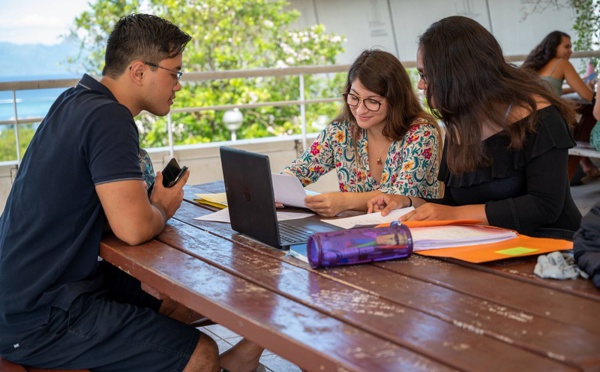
{"x": 223, "y": 216}
{"x": 368, "y": 219}
{"x": 288, "y": 190}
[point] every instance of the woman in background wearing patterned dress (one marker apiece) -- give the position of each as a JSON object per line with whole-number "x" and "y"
{"x": 381, "y": 142}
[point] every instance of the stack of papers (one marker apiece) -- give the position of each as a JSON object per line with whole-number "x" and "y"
{"x": 218, "y": 201}
{"x": 435, "y": 237}
{"x": 432, "y": 235}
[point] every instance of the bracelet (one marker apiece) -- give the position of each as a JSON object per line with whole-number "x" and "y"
{"x": 409, "y": 201}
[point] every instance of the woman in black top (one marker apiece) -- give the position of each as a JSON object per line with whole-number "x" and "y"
{"x": 506, "y": 150}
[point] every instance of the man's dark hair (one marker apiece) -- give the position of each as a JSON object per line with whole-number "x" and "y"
{"x": 142, "y": 37}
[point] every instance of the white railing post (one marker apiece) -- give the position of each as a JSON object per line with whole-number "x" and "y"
{"x": 303, "y": 113}
{"x": 170, "y": 130}
{"x": 14, "y": 94}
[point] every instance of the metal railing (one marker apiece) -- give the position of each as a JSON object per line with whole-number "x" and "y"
{"x": 188, "y": 77}
{"x": 218, "y": 75}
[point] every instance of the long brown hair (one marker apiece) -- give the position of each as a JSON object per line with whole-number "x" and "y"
{"x": 382, "y": 73}
{"x": 470, "y": 83}
{"x": 544, "y": 51}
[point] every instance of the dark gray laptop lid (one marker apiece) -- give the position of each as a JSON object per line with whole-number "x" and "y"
{"x": 250, "y": 199}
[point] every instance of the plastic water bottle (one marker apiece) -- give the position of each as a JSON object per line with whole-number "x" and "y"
{"x": 356, "y": 246}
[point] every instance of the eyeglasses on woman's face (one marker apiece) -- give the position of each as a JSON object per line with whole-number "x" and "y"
{"x": 371, "y": 104}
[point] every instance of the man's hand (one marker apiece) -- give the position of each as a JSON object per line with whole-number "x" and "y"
{"x": 168, "y": 199}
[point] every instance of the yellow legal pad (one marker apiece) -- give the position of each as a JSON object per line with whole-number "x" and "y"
{"x": 218, "y": 200}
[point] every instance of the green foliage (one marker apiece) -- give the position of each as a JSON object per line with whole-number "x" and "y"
{"x": 8, "y": 150}
{"x": 227, "y": 35}
{"x": 587, "y": 25}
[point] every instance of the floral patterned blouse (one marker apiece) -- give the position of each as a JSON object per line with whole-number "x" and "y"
{"x": 411, "y": 166}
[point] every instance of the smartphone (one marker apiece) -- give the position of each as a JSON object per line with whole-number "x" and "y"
{"x": 172, "y": 173}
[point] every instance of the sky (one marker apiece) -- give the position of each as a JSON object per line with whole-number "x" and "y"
{"x": 37, "y": 21}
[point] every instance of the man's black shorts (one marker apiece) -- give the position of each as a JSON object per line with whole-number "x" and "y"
{"x": 116, "y": 330}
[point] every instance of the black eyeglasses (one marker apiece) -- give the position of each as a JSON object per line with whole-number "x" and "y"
{"x": 370, "y": 103}
{"x": 176, "y": 74}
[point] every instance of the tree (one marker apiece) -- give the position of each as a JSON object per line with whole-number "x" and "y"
{"x": 227, "y": 35}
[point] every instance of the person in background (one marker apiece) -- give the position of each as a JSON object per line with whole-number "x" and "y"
{"x": 506, "y": 149}
{"x": 586, "y": 244}
{"x": 59, "y": 306}
{"x": 382, "y": 142}
{"x": 596, "y": 110}
{"x": 550, "y": 59}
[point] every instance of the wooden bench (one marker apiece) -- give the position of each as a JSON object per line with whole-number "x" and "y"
{"x": 7, "y": 366}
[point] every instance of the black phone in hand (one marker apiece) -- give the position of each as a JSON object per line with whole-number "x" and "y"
{"x": 172, "y": 173}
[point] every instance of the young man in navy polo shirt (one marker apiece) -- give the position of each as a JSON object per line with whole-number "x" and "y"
{"x": 60, "y": 308}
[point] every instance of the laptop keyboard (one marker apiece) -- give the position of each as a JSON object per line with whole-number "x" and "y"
{"x": 292, "y": 234}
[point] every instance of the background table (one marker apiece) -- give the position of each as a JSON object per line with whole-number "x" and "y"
{"x": 415, "y": 314}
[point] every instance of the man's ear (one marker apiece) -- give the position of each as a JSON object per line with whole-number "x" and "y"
{"x": 136, "y": 71}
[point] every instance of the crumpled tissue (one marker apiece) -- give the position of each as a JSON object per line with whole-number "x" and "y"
{"x": 558, "y": 265}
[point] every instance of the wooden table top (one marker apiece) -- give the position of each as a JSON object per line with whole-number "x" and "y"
{"x": 416, "y": 314}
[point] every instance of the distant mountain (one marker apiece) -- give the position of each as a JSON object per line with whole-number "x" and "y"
{"x": 36, "y": 59}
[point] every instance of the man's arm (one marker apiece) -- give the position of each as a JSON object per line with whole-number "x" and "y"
{"x": 132, "y": 217}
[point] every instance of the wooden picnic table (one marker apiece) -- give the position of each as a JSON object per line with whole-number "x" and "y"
{"x": 415, "y": 314}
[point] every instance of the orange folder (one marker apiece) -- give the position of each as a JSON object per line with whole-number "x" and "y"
{"x": 520, "y": 246}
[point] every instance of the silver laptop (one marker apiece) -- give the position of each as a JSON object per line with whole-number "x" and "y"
{"x": 251, "y": 202}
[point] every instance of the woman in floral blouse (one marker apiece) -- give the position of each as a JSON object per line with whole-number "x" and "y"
{"x": 382, "y": 141}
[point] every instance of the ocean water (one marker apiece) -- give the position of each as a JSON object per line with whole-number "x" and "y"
{"x": 30, "y": 103}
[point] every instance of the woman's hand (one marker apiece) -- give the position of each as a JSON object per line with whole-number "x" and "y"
{"x": 385, "y": 203}
{"x": 327, "y": 204}
{"x": 439, "y": 212}
{"x": 430, "y": 211}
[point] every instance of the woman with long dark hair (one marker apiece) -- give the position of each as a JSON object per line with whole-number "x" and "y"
{"x": 550, "y": 60}
{"x": 381, "y": 142}
{"x": 506, "y": 149}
